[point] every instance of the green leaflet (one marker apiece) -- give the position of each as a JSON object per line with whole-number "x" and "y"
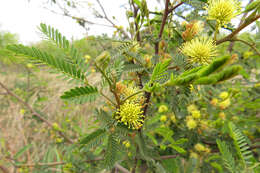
{"x": 241, "y": 145}
{"x": 81, "y": 94}
{"x": 93, "y": 139}
{"x": 194, "y": 70}
{"x": 159, "y": 70}
{"x": 54, "y": 35}
{"x": 227, "y": 158}
{"x": 219, "y": 77}
{"x": 111, "y": 151}
{"x": 61, "y": 65}
{"x": 59, "y": 39}
{"x": 184, "y": 80}
{"x": 214, "y": 66}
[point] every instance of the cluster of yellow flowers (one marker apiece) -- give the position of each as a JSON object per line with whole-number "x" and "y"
{"x": 194, "y": 119}
{"x": 225, "y": 100}
{"x": 203, "y": 49}
{"x": 195, "y": 114}
{"x": 201, "y": 148}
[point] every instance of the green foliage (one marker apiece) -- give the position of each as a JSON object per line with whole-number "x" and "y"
{"x": 241, "y": 145}
{"x": 159, "y": 71}
{"x": 93, "y": 139}
{"x": 81, "y": 94}
{"x": 59, "y": 64}
{"x": 176, "y": 121}
{"x": 226, "y": 155}
{"x": 111, "y": 151}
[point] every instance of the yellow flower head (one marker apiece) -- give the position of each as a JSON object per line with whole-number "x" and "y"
{"x": 222, "y": 115}
{"x": 223, "y": 10}
{"x": 223, "y": 95}
{"x": 195, "y": 114}
{"x": 191, "y": 123}
{"x": 214, "y": 101}
{"x": 200, "y": 50}
{"x": 130, "y": 114}
{"x": 191, "y": 108}
{"x": 199, "y": 147}
{"x": 163, "y": 108}
{"x": 128, "y": 91}
{"x": 173, "y": 118}
{"x": 163, "y": 118}
{"x": 127, "y": 144}
{"x": 224, "y": 104}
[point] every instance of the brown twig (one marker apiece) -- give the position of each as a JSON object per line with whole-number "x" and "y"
{"x": 34, "y": 112}
{"x": 245, "y": 42}
{"x": 117, "y": 166}
{"x": 235, "y": 32}
{"x": 110, "y": 21}
{"x": 4, "y": 169}
{"x": 230, "y": 47}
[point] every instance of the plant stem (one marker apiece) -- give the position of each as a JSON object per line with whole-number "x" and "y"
{"x": 108, "y": 99}
{"x": 241, "y": 27}
{"x": 138, "y": 92}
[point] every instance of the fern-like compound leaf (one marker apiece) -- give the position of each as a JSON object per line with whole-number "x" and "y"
{"x": 160, "y": 70}
{"x": 58, "y": 64}
{"x": 111, "y": 151}
{"x": 227, "y": 158}
{"x": 54, "y": 35}
{"x": 93, "y": 139}
{"x": 241, "y": 145}
{"x": 81, "y": 94}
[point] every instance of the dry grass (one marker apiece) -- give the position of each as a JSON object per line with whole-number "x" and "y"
{"x": 18, "y": 129}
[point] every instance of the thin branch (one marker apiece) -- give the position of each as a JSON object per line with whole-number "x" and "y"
{"x": 121, "y": 168}
{"x": 168, "y": 157}
{"x": 245, "y": 42}
{"x": 117, "y": 166}
{"x": 107, "y": 98}
{"x": 110, "y": 21}
{"x": 138, "y": 92}
{"x": 4, "y": 169}
{"x": 241, "y": 27}
{"x": 173, "y": 8}
{"x": 230, "y": 47}
{"x": 34, "y": 112}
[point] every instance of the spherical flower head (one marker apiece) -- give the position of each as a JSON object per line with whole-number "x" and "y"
{"x": 195, "y": 114}
{"x": 223, "y": 10}
{"x": 163, "y": 118}
{"x": 191, "y": 123}
{"x": 173, "y": 118}
{"x": 223, "y": 95}
{"x": 194, "y": 155}
{"x": 199, "y": 147}
{"x": 191, "y": 108}
{"x": 214, "y": 101}
{"x": 222, "y": 115}
{"x": 162, "y": 109}
{"x": 200, "y": 50}
{"x": 204, "y": 124}
{"x": 127, "y": 144}
{"x": 128, "y": 91}
{"x": 224, "y": 104}
{"x": 130, "y": 114}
